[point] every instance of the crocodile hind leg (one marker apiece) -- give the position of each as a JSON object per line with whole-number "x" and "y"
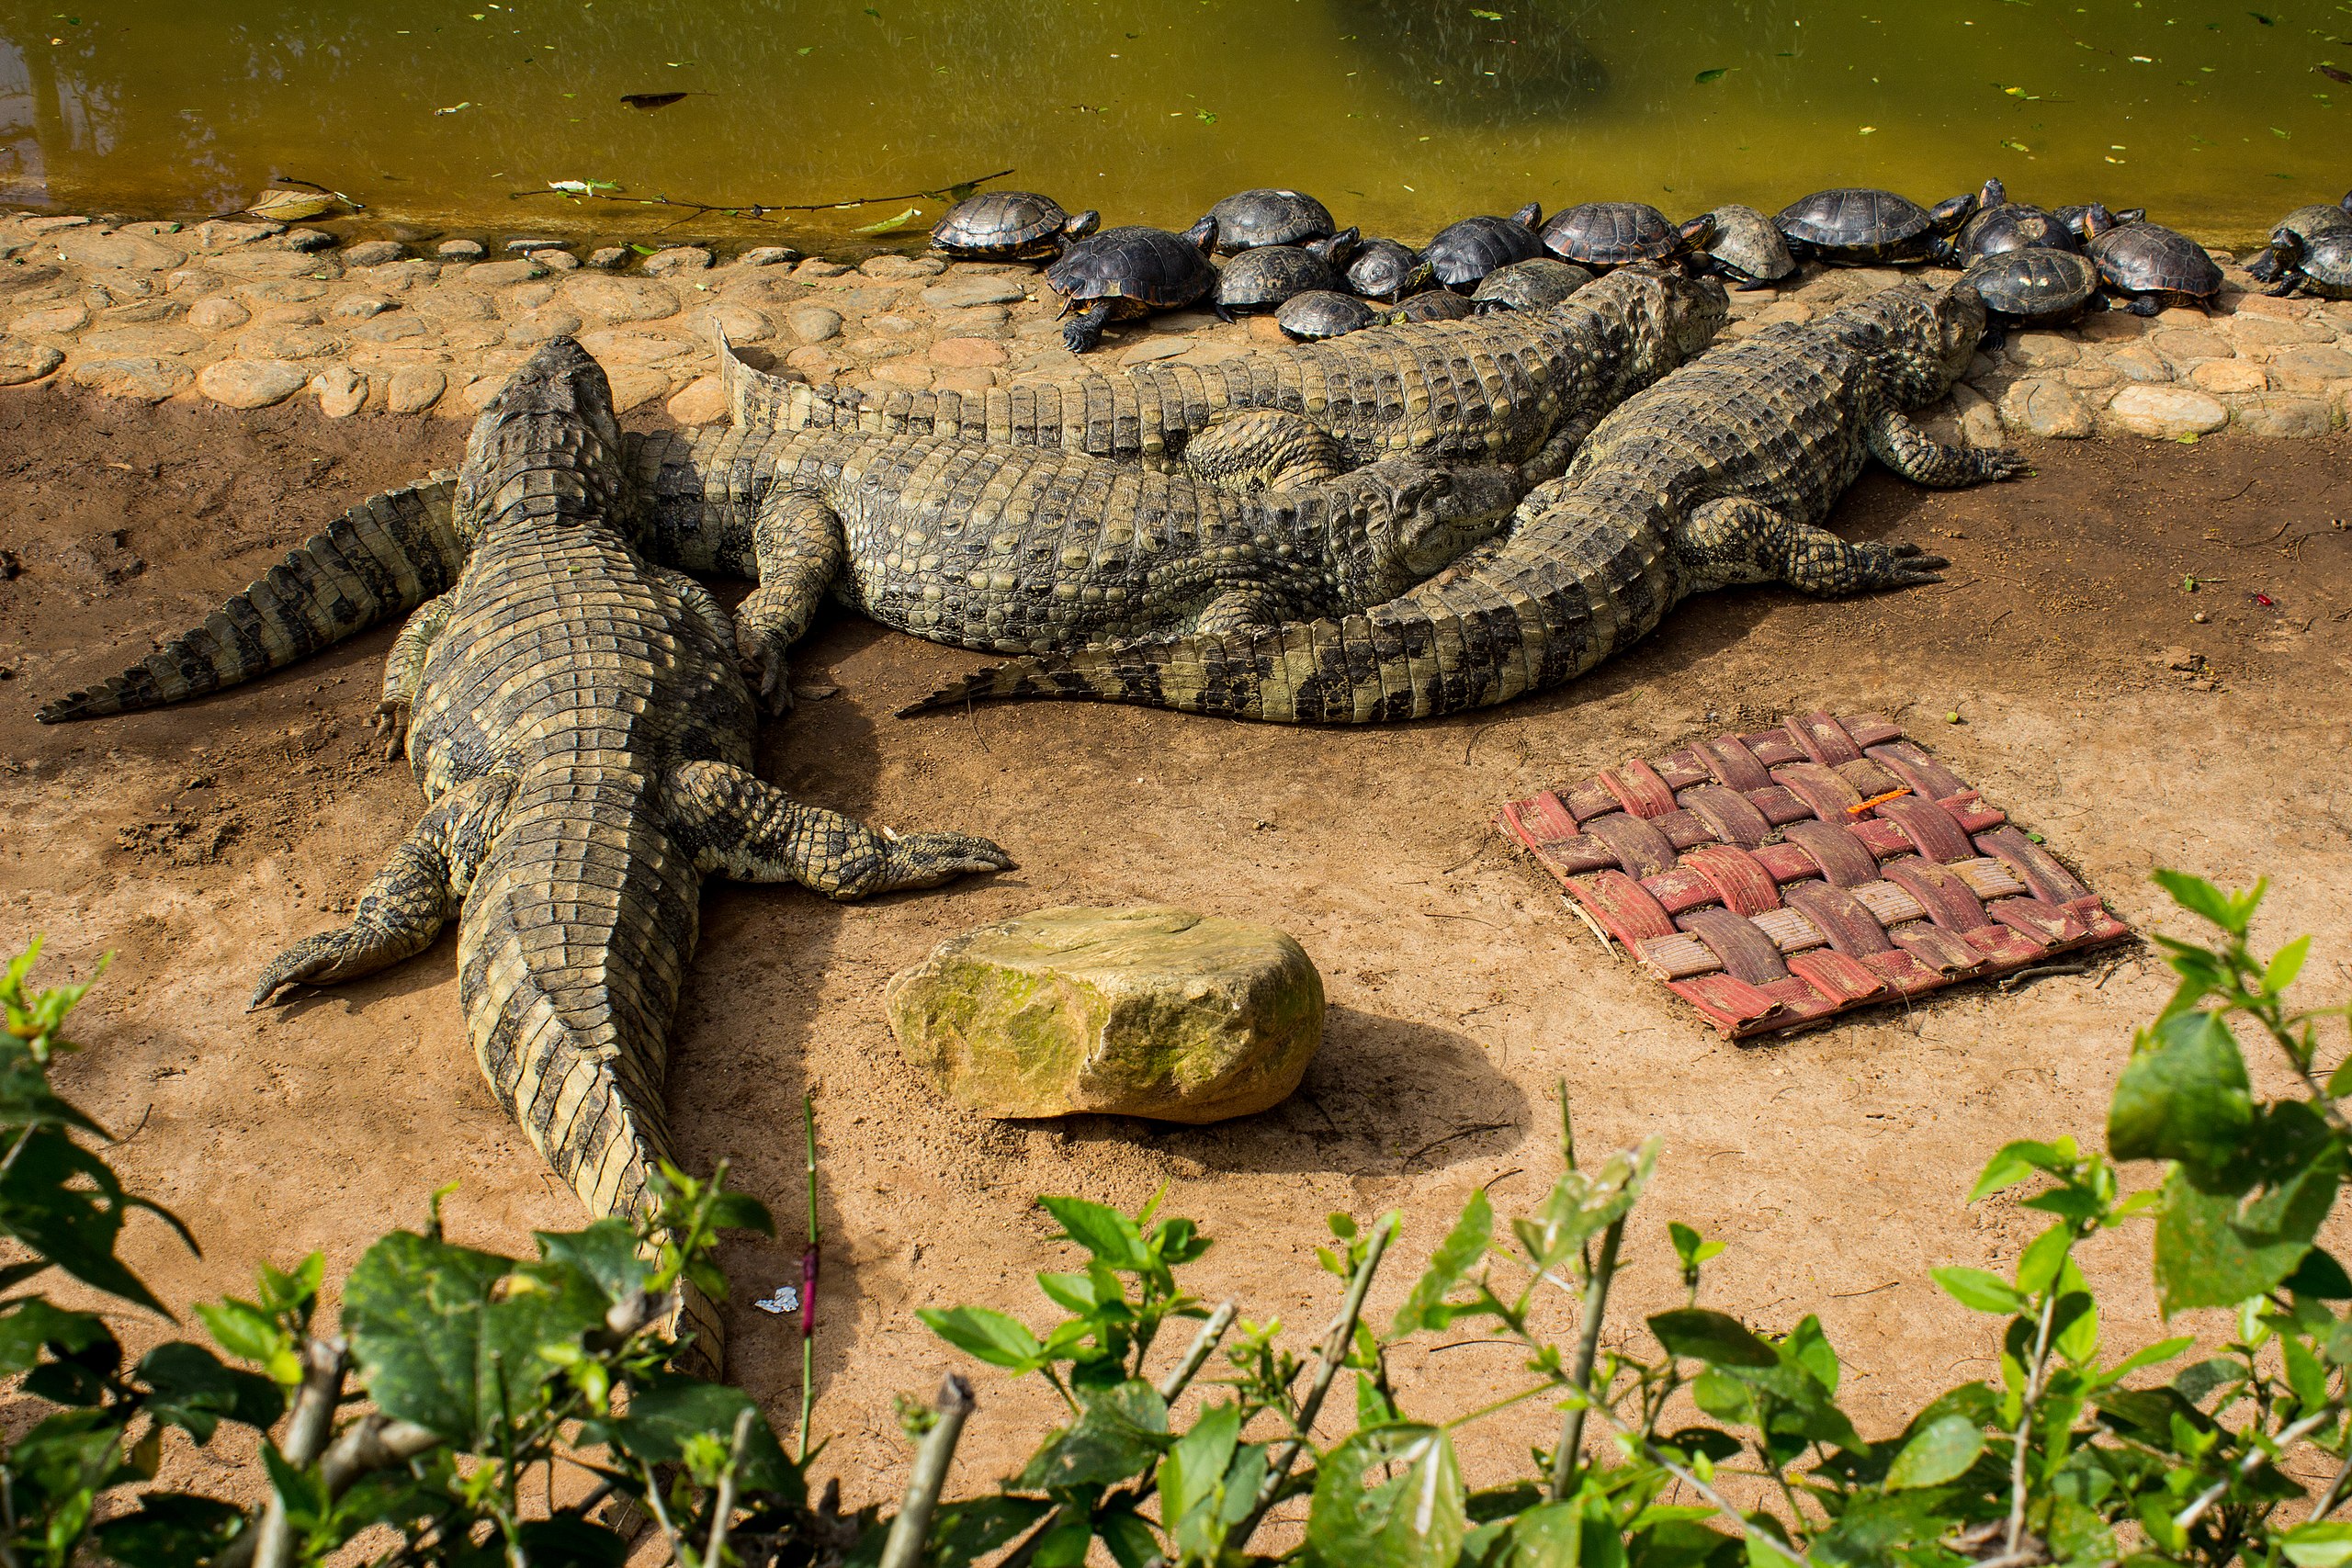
{"x": 405, "y": 667}
{"x": 1239, "y": 610}
{"x": 409, "y": 901}
{"x": 1918, "y": 457}
{"x": 1265, "y": 449}
{"x": 739, "y": 825}
{"x": 799, "y": 548}
{"x": 1736, "y": 541}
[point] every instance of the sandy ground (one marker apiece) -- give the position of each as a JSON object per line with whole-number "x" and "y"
{"x": 196, "y": 842}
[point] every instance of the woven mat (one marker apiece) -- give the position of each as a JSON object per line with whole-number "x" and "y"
{"x": 1774, "y": 879}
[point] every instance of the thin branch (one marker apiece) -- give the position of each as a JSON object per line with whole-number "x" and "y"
{"x": 1197, "y": 1354}
{"x": 2254, "y": 1460}
{"x": 715, "y": 1554}
{"x": 2334, "y": 1492}
{"x": 324, "y": 1364}
{"x": 1566, "y": 1457}
{"x": 808, "y": 1270}
{"x": 2023, "y": 1438}
{"x": 911, "y": 1529}
{"x": 756, "y": 208}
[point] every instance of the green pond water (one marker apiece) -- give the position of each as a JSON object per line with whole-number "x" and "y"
{"x": 1400, "y": 116}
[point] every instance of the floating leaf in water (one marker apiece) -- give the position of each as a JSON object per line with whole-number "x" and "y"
{"x": 1206, "y": 117}
{"x": 283, "y": 204}
{"x": 2015, "y": 146}
{"x": 453, "y": 109}
{"x": 2266, "y": 21}
{"x": 1870, "y": 130}
{"x": 1488, "y": 16}
{"x": 581, "y": 187}
{"x": 650, "y": 100}
{"x": 1712, "y": 74}
{"x": 2333, "y": 74}
{"x": 804, "y": 48}
{"x": 887, "y": 224}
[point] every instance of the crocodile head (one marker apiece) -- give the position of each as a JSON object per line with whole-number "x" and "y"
{"x": 547, "y": 447}
{"x": 1670, "y": 318}
{"x": 1411, "y": 520}
{"x": 1920, "y": 339}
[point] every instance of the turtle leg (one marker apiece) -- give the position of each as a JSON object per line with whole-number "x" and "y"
{"x": 1085, "y": 331}
{"x": 798, "y": 546}
{"x": 739, "y": 825}
{"x": 1265, "y": 449}
{"x": 1737, "y": 540}
{"x": 405, "y": 667}
{"x": 1918, "y": 457}
{"x": 2144, "y": 305}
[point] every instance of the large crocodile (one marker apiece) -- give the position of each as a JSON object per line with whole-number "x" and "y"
{"x": 584, "y": 734}
{"x": 1721, "y": 474}
{"x": 1513, "y": 387}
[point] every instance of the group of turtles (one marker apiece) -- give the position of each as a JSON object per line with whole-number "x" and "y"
{"x": 1284, "y": 253}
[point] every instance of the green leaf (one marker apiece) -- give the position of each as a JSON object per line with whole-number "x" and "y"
{"x": 1712, "y": 74}
{"x": 605, "y": 1251}
{"x": 1456, "y": 1256}
{"x": 1939, "y": 1452}
{"x": 1978, "y": 1290}
{"x": 1684, "y": 1543}
{"x": 1711, "y": 1336}
{"x": 1578, "y": 1533}
{"x": 1414, "y": 1519}
{"x": 170, "y": 1530}
{"x": 2073, "y": 1327}
{"x": 2016, "y": 1162}
{"x": 33, "y": 1323}
{"x": 999, "y": 1340}
{"x": 1119, "y": 1432}
{"x": 66, "y": 1203}
{"x": 2320, "y": 1276}
{"x": 1132, "y": 1541}
{"x": 2285, "y": 964}
{"x": 2186, "y": 1099}
{"x": 2210, "y": 1253}
{"x": 663, "y": 1418}
{"x": 195, "y": 1392}
{"x": 2201, "y": 897}
{"x": 2039, "y": 1264}
{"x": 2304, "y": 1374}
{"x": 1106, "y": 1233}
{"x": 2322, "y": 1544}
{"x": 1196, "y": 1463}
{"x": 1810, "y": 1348}
{"x": 901, "y": 220}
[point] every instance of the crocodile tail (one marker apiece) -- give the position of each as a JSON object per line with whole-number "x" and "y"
{"x": 1571, "y": 586}
{"x": 575, "y": 937}
{"x": 760, "y": 399}
{"x": 379, "y": 560}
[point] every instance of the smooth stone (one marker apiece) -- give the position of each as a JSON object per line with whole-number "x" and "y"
{"x": 812, "y": 360}
{"x": 390, "y": 329}
{"x": 556, "y": 261}
{"x": 767, "y": 255}
{"x": 967, "y": 353}
{"x": 2310, "y": 368}
{"x": 2090, "y": 377}
{"x": 2185, "y": 346}
{"x": 529, "y": 247}
{"x": 814, "y": 324}
{"x": 541, "y": 328}
{"x": 55, "y": 319}
{"x": 2112, "y": 326}
{"x": 342, "y": 390}
{"x": 2229, "y": 376}
{"x": 1980, "y": 425}
{"x": 309, "y": 240}
{"x": 909, "y": 373}
{"x": 702, "y": 402}
{"x": 964, "y": 379}
{"x": 218, "y": 314}
{"x": 2041, "y": 351}
{"x": 459, "y": 250}
{"x": 129, "y": 252}
{"x": 1148, "y": 1011}
{"x": 2045, "y": 409}
{"x": 611, "y": 257}
{"x": 739, "y": 323}
{"x": 2138, "y": 362}
{"x": 2166, "y": 414}
{"x": 621, "y": 298}
{"x": 140, "y": 343}
{"x": 897, "y": 325}
{"x": 399, "y": 276}
{"x": 2271, "y": 332}
{"x": 877, "y": 347}
{"x": 2290, "y": 415}
{"x": 975, "y": 320}
{"x": 23, "y": 362}
{"x": 635, "y": 345}
{"x": 221, "y": 233}
{"x": 1155, "y": 348}
{"x": 374, "y": 252}
{"x": 52, "y": 225}
{"x": 251, "y": 383}
{"x": 414, "y": 389}
{"x": 361, "y": 306}
{"x": 445, "y": 305}
{"x": 526, "y": 296}
{"x": 676, "y": 259}
{"x": 898, "y": 269}
{"x": 962, "y": 293}
{"x": 499, "y": 274}
{"x": 142, "y": 379}
{"x": 634, "y": 386}
{"x": 289, "y": 343}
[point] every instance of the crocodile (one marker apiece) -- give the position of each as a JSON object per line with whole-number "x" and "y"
{"x": 1515, "y": 387}
{"x": 577, "y": 719}
{"x": 1721, "y": 474}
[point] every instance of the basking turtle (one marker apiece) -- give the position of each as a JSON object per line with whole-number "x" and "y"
{"x": 2150, "y": 266}
{"x": 1384, "y": 269}
{"x": 1855, "y": 225}
{"x": 1747, "y": 249}
{"x": 1252, "y": 218}
{"x": 2000, "y": 225}
{"x": 1261, "y": 278}
{"x": 1534, "y": 284}
{"x": 2072, "y": 217}
{"x": 2322, "y": 265}
{"x": 1465, "y": 251}
{"x": 2034, "y": 287}
{"x": 1010, "y": 225}
{"x": 1432, "y": 305}
{"x": 2305, "y": 224}
{"x": 1130, "y": 272}
{"x": 1602, "y": 235}
{"x": 1323, "y": 313}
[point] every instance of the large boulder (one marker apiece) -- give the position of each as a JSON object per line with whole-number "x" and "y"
{"x": 1151, "y": 1011}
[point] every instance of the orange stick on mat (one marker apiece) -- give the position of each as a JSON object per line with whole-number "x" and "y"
{"x": 1878, "y": 800}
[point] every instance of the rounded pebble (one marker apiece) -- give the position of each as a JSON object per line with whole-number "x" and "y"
{"x": 611, "y": 257}
{"x": 342, "y": 392}
{"x": 140, "y": 379}
{"x": 967, "y": 353}
{"x": 459, "y": 250}
{"x": 23, "y": 362}
{"x": 251, "y": 383}
{"x": 814, "y": 324}
{"x": 2166, "y": 414}
{"x": 677, "y": 259}
{"x": 374, "y": 252}
{"x": 2046, "y": 408}
{"x": 702, "y": 401}
{"x": 414, "y": 389}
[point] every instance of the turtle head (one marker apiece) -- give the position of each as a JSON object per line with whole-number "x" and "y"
{"x": 1334, "y": 250}
{"x": 2097, "y": 221}
{"x": 1698, "y": 232}
{"x": 1995, "y": 194}
{"x": 1414, "y": 519}
{"x": 1081, "y": 224}
{"x": 1947, "y": 216}
{"x": 1204, "y": 234}
{"x": 1528, "y": 217}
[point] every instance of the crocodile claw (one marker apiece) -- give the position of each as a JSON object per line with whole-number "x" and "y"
{"x": 1905, "y": 565}
{"x": 391, "y": 722}
{"x": 926, "y": 860}
{"x": 768, "y": 671}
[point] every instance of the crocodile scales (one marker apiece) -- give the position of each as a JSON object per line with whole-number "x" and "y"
{"x": 576, "y": 717}
{"x": 1721, "y": 474}
{"x": 1514, "y": 387}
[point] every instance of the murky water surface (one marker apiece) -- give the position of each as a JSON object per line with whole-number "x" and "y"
{"x": 1401, "y": 113}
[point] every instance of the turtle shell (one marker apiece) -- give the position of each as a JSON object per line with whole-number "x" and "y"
{"x": 1154, "y": 268}
{"x": 1465, "y": 251}
{"x": 1747, "y": 248}
{"x": 2012, "y": 226}
{"x": 2320, "y": 265}
{"x": 1858, "y": 223}
{"x": 1252, "y": 218}
{"x": 1322, "y": 314}
{"x": 1536, "y": 284}
{"x": 2036, "y": 283}
{"x": 2150, "y": 259}
{"x": 1004, "y": 224}
{"x": 1263, "y": 278}
{"x": 1611, "y": 233}
{"x": 1384, "y": 269}
{"x": 1432, "y": 305}
{"x": 2312, "y": 222}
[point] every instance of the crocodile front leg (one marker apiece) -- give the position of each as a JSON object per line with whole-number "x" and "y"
{"x": 738, "y": 825}
{"x": 409, "y": 901}
{"x": 1735, "y": 540}
{"x": 1241, "y": 610}
{"x": 405, "y": 667}
{"x": 1918, "y": 457}
{"x": 1265, "y": 449}
{"x": 798, "y": 550}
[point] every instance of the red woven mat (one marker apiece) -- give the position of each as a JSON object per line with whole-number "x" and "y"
{"x": 1774, "y": 879}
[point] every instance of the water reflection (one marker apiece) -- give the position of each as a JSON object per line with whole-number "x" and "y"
{"x": 1471, "y": 65}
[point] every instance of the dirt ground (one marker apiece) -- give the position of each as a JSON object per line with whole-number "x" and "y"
{"x": 196, "y": 842}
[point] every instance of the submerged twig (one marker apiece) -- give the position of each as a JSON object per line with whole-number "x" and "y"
{"x": 586, "y": 190}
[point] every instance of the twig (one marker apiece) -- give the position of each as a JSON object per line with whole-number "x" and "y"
{"x": 1849, "y": 1295}
{"x": 713, "y": 1555}
{"x": 911, "y": 1529}
{"x": 809, "y": 1261}
{"x": 2042, "y": 972}
{"x": 1455, "y": 1136}
{"x": 2023, "y": 1438}
{"x": 1596, "y": 1305}
{"x": 325, "y": 1362}
{"x": 762, "y": 209}
{"x": 2254, "y": 1458}
{"x": 1196, "y": 1356}
{"x": 2334, "y": 1492}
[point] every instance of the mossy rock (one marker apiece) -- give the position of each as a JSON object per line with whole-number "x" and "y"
{"x": 1149, "y": 1011}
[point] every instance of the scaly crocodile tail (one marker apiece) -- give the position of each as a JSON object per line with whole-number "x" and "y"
{"x": 761, "y": 400}
{"x": 379, "y": 560}
{"x": 576, "y": 934}
{"x": 1572, "y": 585}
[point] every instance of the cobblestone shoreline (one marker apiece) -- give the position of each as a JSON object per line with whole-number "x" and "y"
{"x": 250, "y": 314}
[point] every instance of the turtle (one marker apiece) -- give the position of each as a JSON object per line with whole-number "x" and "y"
{"x": 1999, "y": 225}
{"x": 1602, "y": 235}
{"x": 2072, "y": 217}
{"x": 1855, "y": 225}
{"x": 1386, "y": 269}
{"x": 1432, "y": 305}
{"x": 1747, "y": 249}
{"x": 1010, "y": 225}
{"x": 2304, "y": 224}
{"x": 1262, "y": 277}
{"x": 1323, "y": 312}
{"x": 1130, "y": 271}
{"x": 2320, "y": 265}
{"x": 2032, "y": 287}
{"x": 1468, "y": 249}
{"x": 2150, "y": 266}
{"x": 1535, "y": 285}
{"x": 1252, "y": 218}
